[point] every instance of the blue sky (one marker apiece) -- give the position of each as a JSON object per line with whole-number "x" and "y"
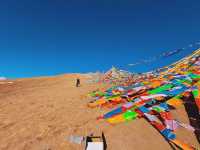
{"x": 48, "y": 37}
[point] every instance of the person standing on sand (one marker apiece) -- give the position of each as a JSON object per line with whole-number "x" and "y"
{"x": 77, "y": 82}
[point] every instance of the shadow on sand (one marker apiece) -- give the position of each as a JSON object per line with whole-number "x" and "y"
{"x": 193, "y": 114}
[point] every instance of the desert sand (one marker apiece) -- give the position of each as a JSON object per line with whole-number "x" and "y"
{"x": 41, "y": 114}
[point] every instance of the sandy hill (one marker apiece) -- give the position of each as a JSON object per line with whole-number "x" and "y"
{"x": 41, "y": 114}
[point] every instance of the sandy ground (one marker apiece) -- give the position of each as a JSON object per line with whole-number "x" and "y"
{"x": 41, "y": 114}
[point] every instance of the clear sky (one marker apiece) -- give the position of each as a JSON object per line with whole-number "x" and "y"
{"x": 48, "y": 37}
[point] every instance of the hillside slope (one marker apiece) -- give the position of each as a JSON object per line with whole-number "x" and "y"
{"x": 41, "y": 114}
